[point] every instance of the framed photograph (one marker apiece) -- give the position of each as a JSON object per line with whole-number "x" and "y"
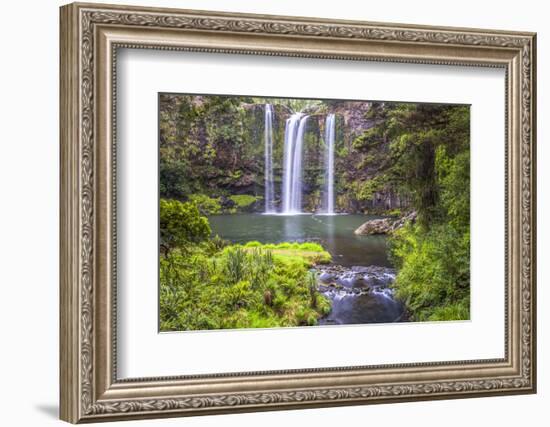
{"x": 267, "y": 212}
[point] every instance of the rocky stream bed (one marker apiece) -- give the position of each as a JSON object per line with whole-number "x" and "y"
{"x": 359, "y": 294}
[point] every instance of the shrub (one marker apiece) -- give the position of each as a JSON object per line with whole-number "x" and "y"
{"x": 434, "y": 271}
{"x": 181, "y": 225}
{"x": 456, "y": 311}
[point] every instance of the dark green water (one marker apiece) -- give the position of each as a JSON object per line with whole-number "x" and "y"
{"x": 335, "y": 233}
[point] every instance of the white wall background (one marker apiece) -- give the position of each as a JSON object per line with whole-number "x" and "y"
{"x": 29, "y": 170}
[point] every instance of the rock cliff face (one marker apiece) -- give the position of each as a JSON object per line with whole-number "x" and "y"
{"x": 356, "y": 166}
{"x": 214, "y": 145}
{"x": 353, "y": 119}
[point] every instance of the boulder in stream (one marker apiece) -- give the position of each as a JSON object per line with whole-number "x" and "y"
{"x": 375, "y": 226}
{"x": 384, "y": 225}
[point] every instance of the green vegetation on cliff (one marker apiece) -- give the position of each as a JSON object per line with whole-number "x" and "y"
{"x": 429, "y": 159}
{"x": 212, "y": 152}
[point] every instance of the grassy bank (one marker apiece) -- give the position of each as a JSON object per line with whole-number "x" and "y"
{"x": 207, "y": 284}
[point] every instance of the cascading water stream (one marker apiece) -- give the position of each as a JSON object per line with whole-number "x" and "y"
{"x": 292, "y": 186}
{"x": 268, "y": 141}
{"x": 329, "y": 164}
{"x": 292, "y": 164}
{"x": 291, "y": 129}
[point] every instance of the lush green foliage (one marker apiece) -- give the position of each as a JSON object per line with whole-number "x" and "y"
{"x": 206, "y": 205}
{"x": 391, "y": 158}
{"x": 208, "y": 145}
{"x": 434, "y": 271}
{"x": 181, "y": 225}
{"x": 430, "y": 160}
{"x": 205, "y": 284}
{"x": 309, "y": 251}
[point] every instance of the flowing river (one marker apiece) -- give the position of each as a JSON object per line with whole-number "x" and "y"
{"x": 357, "y": 282}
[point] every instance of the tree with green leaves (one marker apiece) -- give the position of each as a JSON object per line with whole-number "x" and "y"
{"x": 180, "y": 225}
{"x": 413, "y": 134}
{"x": 427, "y": 159}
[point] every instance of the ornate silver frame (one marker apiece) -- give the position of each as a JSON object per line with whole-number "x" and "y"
{"x": 90, "y": 36}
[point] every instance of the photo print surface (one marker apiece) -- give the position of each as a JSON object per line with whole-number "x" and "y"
{"x": 281, "y": 212}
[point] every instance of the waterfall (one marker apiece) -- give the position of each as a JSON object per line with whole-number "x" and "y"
{"x": 329, "y": 163}
{"x": 268, "y": 141}
{"x": 292, "y": 163}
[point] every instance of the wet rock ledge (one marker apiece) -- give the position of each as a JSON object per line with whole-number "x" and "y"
{"x": 384, "y": 225}
{"x": 355, "y": 279}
